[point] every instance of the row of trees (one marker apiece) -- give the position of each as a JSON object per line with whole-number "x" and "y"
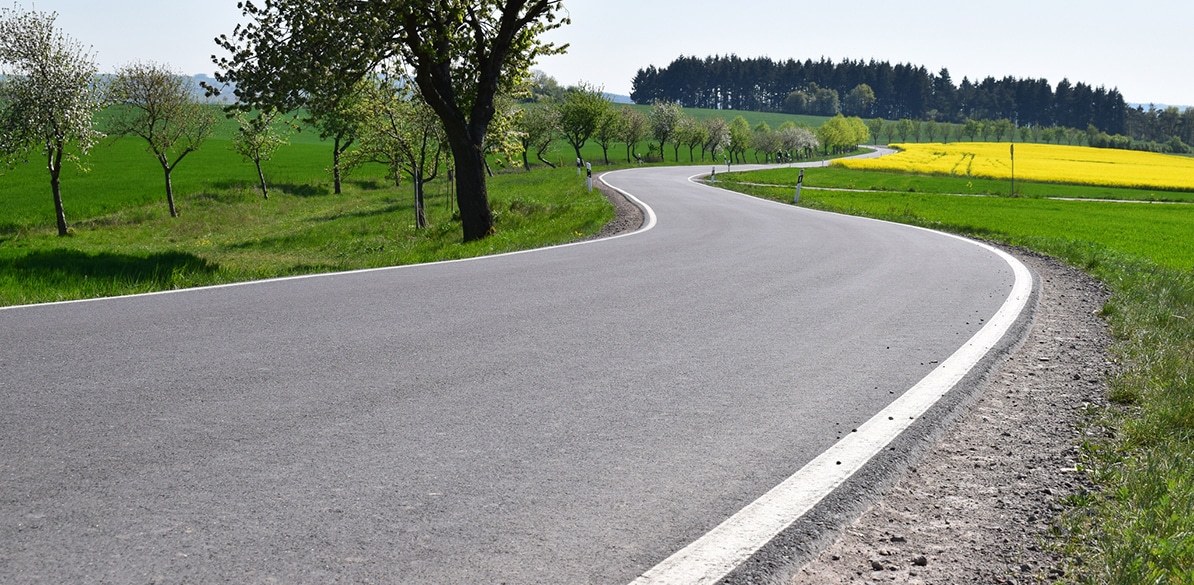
{"x": 457, "y": 55}
{"x": 583, "y": 114}
{"x": 1160, "y": 125}
{"x": 876, "y": 89}
{"x": 50, "y": 94}
{"x": 403, "y": 81}
{"x": 909, "y": 130}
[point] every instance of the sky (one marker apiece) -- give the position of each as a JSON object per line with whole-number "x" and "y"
{"x": 1141, "y": 47}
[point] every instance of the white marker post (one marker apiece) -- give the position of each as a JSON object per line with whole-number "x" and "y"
{"x": 799, "y": 183}
{"x": 589, "y": 176}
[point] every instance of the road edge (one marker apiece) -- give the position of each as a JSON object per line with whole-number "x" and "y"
{"x": 746, "y": 548}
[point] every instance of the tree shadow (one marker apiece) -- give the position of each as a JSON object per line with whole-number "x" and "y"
{"x": 72, "y": 265}
{"x": 238, "y": 189}
{"x": 302, "y": 190}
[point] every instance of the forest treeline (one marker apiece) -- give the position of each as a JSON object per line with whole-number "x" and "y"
{"x": 879, "y": 89}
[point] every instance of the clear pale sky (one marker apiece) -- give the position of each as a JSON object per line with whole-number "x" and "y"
{"x": 1143, "y": 47}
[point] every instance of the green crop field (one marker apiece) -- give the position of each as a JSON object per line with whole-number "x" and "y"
{"x": 1157, "y": 232}
{"x": 839, "y": 178}
{"x": 1137, "y": 526}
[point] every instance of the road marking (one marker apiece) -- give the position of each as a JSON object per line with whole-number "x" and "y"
{"x": 717, "y": 553}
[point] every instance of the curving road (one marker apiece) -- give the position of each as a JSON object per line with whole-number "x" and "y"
{"x": 569, "y": 415}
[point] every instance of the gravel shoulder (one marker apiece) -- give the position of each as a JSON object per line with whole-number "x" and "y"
{"x": 979, "y": 505}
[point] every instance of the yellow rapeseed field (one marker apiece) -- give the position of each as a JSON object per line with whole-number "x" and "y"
{"x": 1040, "y": 162}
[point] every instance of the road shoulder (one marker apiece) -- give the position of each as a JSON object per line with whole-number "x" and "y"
{"x": 980, "y": 504}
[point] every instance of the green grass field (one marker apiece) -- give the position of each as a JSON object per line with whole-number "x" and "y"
{"x": 1160, "y": 233}
{"x": 1138, "y": 526}
{"x": 839, "y": 178}
{"x": 123, "y": 241}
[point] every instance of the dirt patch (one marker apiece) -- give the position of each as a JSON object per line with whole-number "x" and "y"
{"x": 629, "y": 216}
{"x": 980, "y": 506}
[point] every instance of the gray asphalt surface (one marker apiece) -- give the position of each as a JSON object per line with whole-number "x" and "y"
{"x": 571, "y": 415}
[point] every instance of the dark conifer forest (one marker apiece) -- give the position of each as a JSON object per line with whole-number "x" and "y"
{"x": 879, "y": 89}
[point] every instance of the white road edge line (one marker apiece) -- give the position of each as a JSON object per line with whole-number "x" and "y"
{"x": 648, "y": 223}
{"x": 717, "y": 553}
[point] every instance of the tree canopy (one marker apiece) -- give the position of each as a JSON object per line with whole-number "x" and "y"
{"x": 891, "y": 91}
{"x": 460, "y": 53}
{"x": 48, "y": 95}
{"x": 159, "y": 106}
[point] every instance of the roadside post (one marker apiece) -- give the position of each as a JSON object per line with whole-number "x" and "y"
{"x": 589, "y": 176}
{"x": 713, "y": 175}
{"x": 1013, "y": 152}
{"x": 799, "y": 183}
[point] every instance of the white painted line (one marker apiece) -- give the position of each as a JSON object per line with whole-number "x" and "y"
{"x": 721, "y": 550}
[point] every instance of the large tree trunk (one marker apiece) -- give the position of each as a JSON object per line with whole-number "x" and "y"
{"x": 55, "y": 166}
{"x": 420, "y": 209}
{"x": 472, "y": 195}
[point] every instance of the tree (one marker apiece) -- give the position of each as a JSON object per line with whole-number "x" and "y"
{"x": 972, "y": 128}
{"x": 159, "y": 105}
{"x": 859, "y": 101}
{"x": 931, "y": 129}
{"x": 1002, "y": 127}
{"x": 501, "y": 141}
{"x": 609, "y": 130}
{"x": 765, "y": 141}
{"x": 839, "y": 134}
{"x": 718, "y": 132}
{"x": 984, "y": 129}
{"x": 875, "y": 126}
{"x": 634, "y": 129}
{"x": 335, "y": 117}
{"x": 544, "y": 88}
{"x": 537, "y": 126}
{"x": 257, "y": 139}
{"x": 48, "y": 96}
{"x": 580, "y": 115}
{"x": 740, "y": 136}
{"x": 692, "y": 133}
{"x": 904, "y": 128}
{"x": 664, "y": 118}
{"x": 401, "y": 132}
{"x": 797, "y": 141}
{"x": 461, "y": 53}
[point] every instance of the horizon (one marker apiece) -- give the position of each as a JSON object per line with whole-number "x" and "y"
{"x": 1138, "y": 52}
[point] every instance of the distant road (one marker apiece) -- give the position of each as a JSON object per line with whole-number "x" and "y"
{"x": 569, "y": 415}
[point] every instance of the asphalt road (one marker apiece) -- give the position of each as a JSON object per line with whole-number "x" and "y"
{"x": 569, "y": 415}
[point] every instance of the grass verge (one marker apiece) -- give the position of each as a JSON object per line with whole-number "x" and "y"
{"x": 228, "y": 233}
{"x": 1137, "y": 526}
